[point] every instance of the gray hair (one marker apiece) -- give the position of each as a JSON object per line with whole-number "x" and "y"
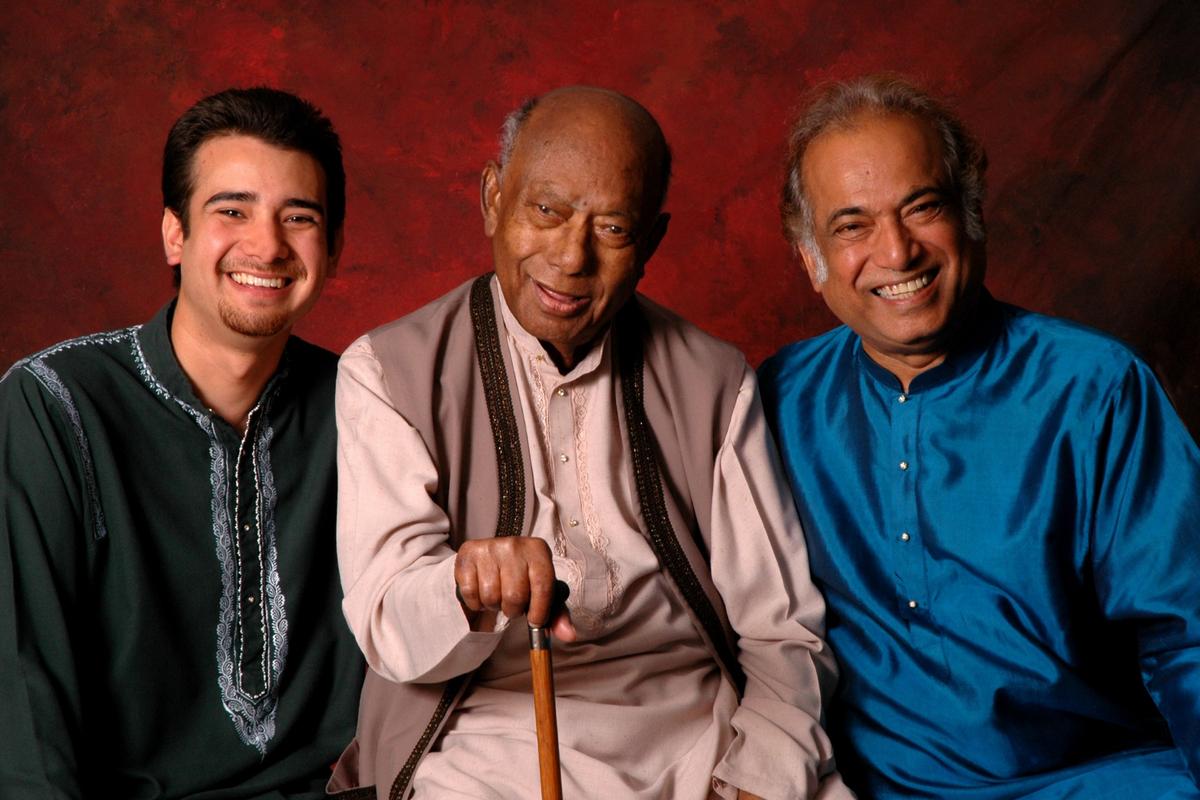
{"x": 836, "y": 105}
{"x": 512, "y": 126}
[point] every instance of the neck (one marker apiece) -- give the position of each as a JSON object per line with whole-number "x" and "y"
{"x": 905, "y": 367}
{"x": 227, "y": 378}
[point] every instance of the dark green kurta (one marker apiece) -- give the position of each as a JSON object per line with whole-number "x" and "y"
{"x": 170, "y": 621}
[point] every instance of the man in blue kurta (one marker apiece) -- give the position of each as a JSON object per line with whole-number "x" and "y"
{"x": 1003, "y": 509}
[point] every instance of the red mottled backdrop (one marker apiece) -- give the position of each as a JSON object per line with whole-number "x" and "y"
{"x": 1089, "y": 110}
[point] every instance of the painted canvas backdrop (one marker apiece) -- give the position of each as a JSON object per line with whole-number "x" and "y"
{"x": 1089, "y": 111}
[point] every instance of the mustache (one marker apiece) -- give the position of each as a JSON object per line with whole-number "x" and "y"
{"x": 285, "y": 268}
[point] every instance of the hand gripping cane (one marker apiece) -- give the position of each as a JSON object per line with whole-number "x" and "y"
{"x": 543, "y": 697}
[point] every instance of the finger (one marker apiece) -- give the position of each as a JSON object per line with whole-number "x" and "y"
{"x": 514, "y": 579}
{"x": 466, "y": 585}
{"x": 488, "y": 575}
{"x": 540, "y": 573}
{"x": 562, "y": 628}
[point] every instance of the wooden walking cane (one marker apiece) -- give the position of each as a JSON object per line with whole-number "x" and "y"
{"x": 543, "y": 697}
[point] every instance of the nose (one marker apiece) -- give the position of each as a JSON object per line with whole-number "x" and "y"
{"x": 895, "y": 247}
{"x": 265, "y": 241}
{"x": 571, "y": 251}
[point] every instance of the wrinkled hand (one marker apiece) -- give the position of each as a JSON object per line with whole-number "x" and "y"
{"x": 513, "y": 574}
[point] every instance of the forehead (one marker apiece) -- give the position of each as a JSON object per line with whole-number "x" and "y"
{"x": 583, "y": 155}
{"x": 873, "y": 154}
{"x": 246, "y": 163}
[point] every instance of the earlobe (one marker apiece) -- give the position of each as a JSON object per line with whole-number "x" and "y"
{"x": 810, "y": 267}
{"x": 172, "y": 234}
{"x": 489, "y": 197}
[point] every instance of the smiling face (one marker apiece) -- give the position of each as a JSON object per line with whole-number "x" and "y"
{"x": 255, "y": 256}
{"x": 901, "y": 270}
{"x": 573, "y": 217}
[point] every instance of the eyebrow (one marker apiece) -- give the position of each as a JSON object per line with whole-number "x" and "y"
{"x": 251, "y": 197}
{"x": 853, "y": 211}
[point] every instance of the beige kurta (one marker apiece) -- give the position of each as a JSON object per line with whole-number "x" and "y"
{"x": 643, "y": 710}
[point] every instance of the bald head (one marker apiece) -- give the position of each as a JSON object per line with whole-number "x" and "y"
{"x": 576, "y": 110}
{"x": 574, "y": 213}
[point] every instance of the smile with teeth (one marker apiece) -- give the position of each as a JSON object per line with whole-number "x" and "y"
{"x": 899, "y": 291}
{"x": 245, "y": 279}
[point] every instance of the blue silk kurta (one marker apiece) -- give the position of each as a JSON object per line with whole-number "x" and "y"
{"x": 1011, "y": 557}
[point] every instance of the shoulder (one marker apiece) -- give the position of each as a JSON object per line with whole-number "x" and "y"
{"x": 671, "y": 338}
{"x": 426, "y": 323}
{"x": 89, "y": 360}
{"x": 807, "y": 361}
{"x": 1066, "y": 351}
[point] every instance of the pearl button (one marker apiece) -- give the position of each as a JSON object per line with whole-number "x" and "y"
{"x": 904, "y": 537}
{"x": 563, "y": 458}
{"x": 246, "y": 527}
{"x": 903, "y": 465}
{"x": 903, "y": 398}
{"x": 573, "y": 523}
{"x": 250, "y": 599}
{"x": 561, "y": 392}
{"x": 912, "y": 603}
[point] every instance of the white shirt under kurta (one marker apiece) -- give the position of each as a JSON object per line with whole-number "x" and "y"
{"x": 643, "y": 710}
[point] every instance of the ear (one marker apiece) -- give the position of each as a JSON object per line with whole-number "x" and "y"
{"x": 653, "y": 238}
{"x": 172, "y": 233}
{"x": 810, "y": 266}
{"x": 489, "y": 197}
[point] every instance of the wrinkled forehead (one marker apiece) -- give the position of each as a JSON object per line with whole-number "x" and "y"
{"x": 875, "y": 147}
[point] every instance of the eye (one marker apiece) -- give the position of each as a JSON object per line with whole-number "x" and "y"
{"x": 300, "y": 219}
{"x": 927, "y": 208}
{"x": 850, "y": 230}
{"x": 232, "y": 213}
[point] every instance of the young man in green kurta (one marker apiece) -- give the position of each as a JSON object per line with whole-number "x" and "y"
{"x": 170, "y": 620}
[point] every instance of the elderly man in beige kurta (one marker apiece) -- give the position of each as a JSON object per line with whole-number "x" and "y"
{"x": 645, "y": 710}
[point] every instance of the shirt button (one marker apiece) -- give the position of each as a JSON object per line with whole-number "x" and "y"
{"x": 250, "y": 599}
{"x": 902, "y": 398}
{"x": 904, "y": 537}
{"x": 903, "y": 465}
{"x": 563, "y": 458}
{"x": 912, "y": 603}
{"x": 246, "y": 527}
{"x": 573, "y": 523}
{"x": 561, "y": 392}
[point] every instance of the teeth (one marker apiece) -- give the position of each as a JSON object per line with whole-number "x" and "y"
{"x": 254, "y": 280}
{"x": 908, "y": 287}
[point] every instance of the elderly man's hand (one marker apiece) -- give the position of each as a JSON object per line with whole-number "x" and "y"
{"x": 513, "y": 574}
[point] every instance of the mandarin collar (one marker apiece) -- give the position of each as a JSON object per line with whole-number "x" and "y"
{"x": 155, "y": 340}
{"x": 531, "y": 346}
{"x": 981, "y": 332}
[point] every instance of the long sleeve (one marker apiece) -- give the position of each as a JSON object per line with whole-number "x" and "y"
{"x": 1146, "y": 545}
{"x": 397, "y": 566}
{"x": 43, "y": 536}
{"x": 760, "y": 566}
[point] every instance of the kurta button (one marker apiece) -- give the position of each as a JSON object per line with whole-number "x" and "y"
{"x": 246, "y": 527}
{"x": 573, "y": 523}
{"x": 563, "y": 458}
{"x": 903, "y": 398}
{"x": 912, "y": 603}
{"x": 904, "y": 537}
{"x": 250, "y": 599}
{"x": 561, "y": 392}
{"x": 903, "y": 465}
